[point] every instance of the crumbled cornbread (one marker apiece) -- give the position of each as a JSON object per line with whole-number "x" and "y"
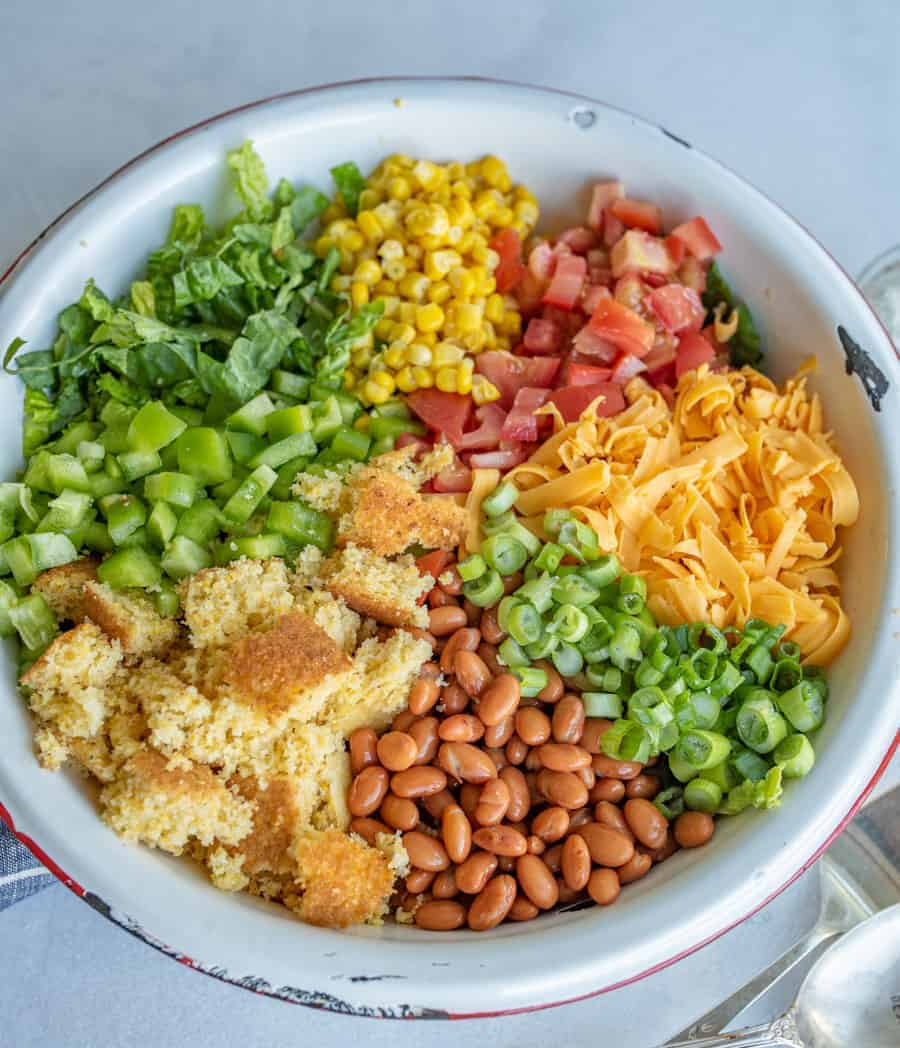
{"x": 63, "y": 588}
{"x": 387, "y": 590}
{"x": 335, "y": 618}
{"x": 321, "y": 492}
{"x": 129, "y": 617}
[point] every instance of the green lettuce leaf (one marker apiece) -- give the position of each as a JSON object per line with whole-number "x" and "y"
{"x": 203, "y": 279}
{"x": 308, "y": 204}
{"x": 350, "y": 183}
{"x": 248, "y": 176}
{"x": 745, "y": 347}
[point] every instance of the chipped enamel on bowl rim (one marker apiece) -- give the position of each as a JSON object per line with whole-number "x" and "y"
{"x": 556, "y": 143}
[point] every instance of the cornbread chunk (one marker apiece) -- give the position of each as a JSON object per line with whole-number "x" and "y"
{"x": 63, "y": 588}
{"x": 307, "y": 568}
{"x": 322, "y": 493}
{"x": 68, "y": 682}
{"x": 221, "y": 605}
{"x": 129, "y": 617}
{"x": 402, "y": 463}
{"x": 387, "y": 590}
{"x": 343, "y": 881}
{"x": 166, "y": 805}
{"x": 332, "y": 614}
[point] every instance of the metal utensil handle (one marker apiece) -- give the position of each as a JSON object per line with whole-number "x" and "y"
{"x": 782, "y": 1033}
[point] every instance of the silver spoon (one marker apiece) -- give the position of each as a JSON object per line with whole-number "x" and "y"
{"x": 850, "y": 997}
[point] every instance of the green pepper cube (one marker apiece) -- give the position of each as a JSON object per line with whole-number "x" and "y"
{"x": 287, "y": 384}
{"x": 68, "y": 510}
{"x": 200, "y": 523}
{"x": 277, "y": 454}
{"x": 124, "y": 514}
{"x": 251, "y": 418}
{"x": 96, "y": 537}
{"x": 282, "y": 423}
{"x": 349, "y": 443}
{"x": 66, "y": 471}
{"x": 242, "y": 504}
{"x": 203, "y": 454}
{"x": 179, "y": 489}
{"x": 327, "y": 419}
{"x": 153, "y": 427}
{"x": 128, "y": 568}
{"x": 17, "y": 554}
{"x": 161, "y": 524}
{"x": 8, "y": 599}
{"x": 34, "y": 622}
{"x": 184, "y": 557}
{"x": 301, "y": 524}
{"x": 244, "y": 445}
{"x": 137, "y": 464}
{"x": 166, "y": 601}
{"x": 91, "y": 454}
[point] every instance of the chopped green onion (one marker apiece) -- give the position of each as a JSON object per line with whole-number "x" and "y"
{"x": 472, "y": 567}
{"x": 543, "y": 647}
{"x": 803, "y": 705}
{"x": 601, "y": 572}
{"x": 510, "y": 653}
{"x": 549, "y": 558}
{"x": 567, "y": 659}
{"x": 759, "y": 724}
{"x": 525, "y": 625}
{"x": 670, "y": 802}
{"x": 602, "y": 704}
{"x": 696, "y": 709}
{"x": 681, "y": 769}
{"x": 605, "y": 678}
{"x": 486, "y": 590}
{"x": 504, "y": 553}
{"x": 555, "y": 518}
{"x": 537, "y": 591}
{"x": 795, "y": 756}
{"x": 572, "y": 589}
{"x": 504, "y": 609}
{"x": 724, "y": 775}
{"x": 632, "y": 594}
{"x": 749, "y": 765}
{"x": 569, "y": 623}
{"x": 532, "y": 680}
{"x": 501, "y": 499}
{"x": 702, "y": 794}
{"x": 627, "y": 741}
{"x": 702, "y": 749}
{"x": 760, "y": 661}
{"x": 625, "y": 646}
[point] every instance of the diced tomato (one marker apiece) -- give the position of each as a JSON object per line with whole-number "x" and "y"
{"x": 572, "y": 400}
{"x": 585, "y": 374}
{"x": 693, "y": 350}
{"x": 613, "y": 228}
{"x": 445, "y": 413}
{"x": 521, "y": 423}
{"x": 511, "y": 268}
{"x": 542, "y": 337}
{"x": 542, "y": 261}
{"x": 454, "y": 478}
{"x": 678, "y": 308}
{"x": 626, "y": 367}
{"x": 622, "y": 327}
{"x": 639, "y": 252}
{"x": 502, "y": 460}
{"x": 568, "y": 280}
{"x": 668, "y": 394}
{"x": 579, "y": 239}
{"x": 530, "y": 292}
{"x": 433, "y": 563}
{"x": 698, "y": 238}
{"x": 637, "y": 214}
{"x": 490, "y": 418}
{"x": 655, "y": 279}
{"x": 660, "y": 361}
{"x": 676, "y": 250}
{"x": 592, "y": 295}
{"x": 692, "y": 273}
{"x": 598, "y": 256}
{"x": 420, "y": 443}
{"x": 630, "y": 291}
{"x": 602, "y": 195}
{"x": 569, "y": 321}
{"x": 592, "y": 345}
{"x": 510, "y": 373}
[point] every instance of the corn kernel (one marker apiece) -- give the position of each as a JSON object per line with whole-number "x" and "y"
{"x": 362, "y": 424}
{"x": 483, "y": 391}
{"x": 368, "y": 272}
{"x": 424, "y": 378}
{"x": 503, "y": 343}
{"x": 391, "y": 302}
{"x": 399, "y": 188}
{"x": 368, "y": 198}
{"x": 407, "y": 313}
{"x": 394, "y": 269}
{"x": 464, "y": 383}
{"x": 403, "y": 332}
{"x": 440, "y": 292}
{"x": 494, "y": 308}
{"x": 395, "y": 356}
{"x": 332, "y": 213}
{"x": 419, "y": 354}
{"x": 414, "y": 286}
{"x": 454, "y": 235}
{"x": 385, "y": 215}
{"x": 406, "y": 380}
{"x": 468, "y": 317}
{"x": 366, "y": 341}
{"x": 486, "y": 203}
{"x": 390, "y": 249}
{"x": 384, "y": 327}
{"x": 428, "y": 338}
{"x": 384, "y": 379}
{"x": 430, "y": 317}
{"x": 431, "y": 243}
{"x": 385, "y": 289}
{"x": 361, "y": 358}
{"x": 462, "y": 281}
{"x": 323, "y": 245}
{"x": 526, "y": 212}
{"x": 474, "y": 341}
{"x": 375, "y": 393}
{"x": 455, "y": 170}
{"x": 426, "y": 174}
{"x": 369, "y": 225}
{"x": 445, "y": 380}
{"x": 490, "y": 335}
{"x": 349, "y": 379}
{"x": 460, "y": 212}
{"x": 359, "y": 294}
{"x": 340, "y": 283}
{"x": 503, "y": 216}
{"x": 414, "y": 254}
{"x": 511, "y": 324}
{"x": 353, "y": 241}
{"x": 439, "y": 263}
{"x": 447, "y": 354}
{"x": 494, "y": 172}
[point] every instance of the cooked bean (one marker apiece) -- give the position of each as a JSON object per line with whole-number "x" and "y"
{"x": 471, "y": 673}
{"x": 568, "y": 719}
{"x": 608, "y": 768}
{"x": 500, "y": 699}
{"x": 580, "y": 817}
{"x": 425, "y": 733}
{"x": 440, "y": 915}
{"x": 533, "y": 761}
{"x": 516, "y": 750}
{"x": 493, "y": 803}
{"x": 575, "y": 862}
{"x": 693, "y": 828}
{"x": 492, "y": 903}
{"x": 437, "y": 598}
{"x": 500, "y": 840}
{"x": 603, "y": 886}
{"x": 456, "y": 833}
{"x": 554, "y": 689}
{"x": 506, "y": 863}
{"x": 469, "y": 796}
{"x": 643, "y": 786}
{"x": 418, "y": 781}
{"x": 512, "y": 582}
{"x": 397, "y": 750}
{"x": 566, "y": 894}
{"x": 553, "y": 858}
{"x": 436, "y": 803}
{"x": 488, "y": 655}
{"x": 473, "y": 874}
{"x": 522, "y": 909}
{"x": 635, "y": 868}
{"x": 536, "y": 845}
{"x": 588, "y": 777}
{"x": 497, "y": 755}
{"x": 552, "y": 824}
{"x": 473, "y": 612}
{"x": 535, "y": 796}
{"x": 444, "y": 885}
{"x": 563, "y": 788}
{"x": 497, "y": 735}
{"x": 519, "y": 795}
{"x": 461, "y": 727}
{"x": 444, "y": 621}
{"x": 464, "y": 762}
{"x": 453, "y": 699}
{"x": 425, "y": 852}
{"x": 490, "y": 628}
{"x": 368, "y": 790}
{"x": 363, "y": 745}
{"x": 607, "y": 846}
{"x": 421, "y": 634}
{"x": 368, "y": 829}
{"x": 594, "y": 727}
{"x": 451, "y": 581}
{"x": 466, "y": 639}
{"x": 404, "y": 719}
{"x": 536, "y": 880}
{"x": 399, "y": 813}
{"x": 612, "y": 816}
{"x": 564, "y": 756}
{"x": 532, "y": 725}
{"x": 418, "y": 881}
{"x": 646, "y": 822}
{"x": 612, "y": 790}
{"x": 423, "y": 696}
{"x": 668, "y": 848}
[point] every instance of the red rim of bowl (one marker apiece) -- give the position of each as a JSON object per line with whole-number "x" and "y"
{"x": 82, "y": 893}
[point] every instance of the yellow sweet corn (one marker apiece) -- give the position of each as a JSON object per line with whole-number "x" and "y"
{"x": 484, "y": 391}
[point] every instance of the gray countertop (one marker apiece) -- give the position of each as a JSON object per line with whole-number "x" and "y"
{"x": 800, "y": 98}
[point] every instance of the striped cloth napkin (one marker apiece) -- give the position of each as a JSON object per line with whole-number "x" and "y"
{"x": 21, "y": 874}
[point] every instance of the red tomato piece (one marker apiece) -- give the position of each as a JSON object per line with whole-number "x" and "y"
{"x": 591, "y": 297}
{"x": 454, "y": 478}
{"x": 676, "y": 250}
{"x": 660, "y": 361}
{"x": 445, "y": 413}
{"x": 542, "y": 337}
{"x": 626, "y": 367}
{"x": 622, "y": 327}
{"x": 530, "y": 292}
{"x": 542, "y": 261}
{"x": 692, "y": 273}
{"x": 578, "y": 239}
{"x": 637, "y": 251}
{"x": 511, "y": 373}
{"x": 613, "y": 228}
{"x": 502, "y": 460}
{"x": 433, "y": 563}
{"x": 668, "y": 394}
{"x": 511, "y": 268}
{"x": 420, "y": 443}
{"x": 568, "y": 280}
{"x": 573, "y": 400}
{"x": 678, "y": 308}
{"x": 637, "y": 214}
{"x": 490, "y": 418}
{"x": 693, "y": 350}
{"x": 585, "y": 374}
{"x": 630, "y": 291}
{"x": 521, "y": 423}
{"x": 593, "y": 345}
{"x": 602, "y": 195}
{"x": 698, "y": 238}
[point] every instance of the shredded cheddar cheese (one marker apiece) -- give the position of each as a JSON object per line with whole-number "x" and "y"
{"x": 728, "y": 504}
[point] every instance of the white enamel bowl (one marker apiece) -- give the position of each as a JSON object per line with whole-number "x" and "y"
{"x": 557, "y": 144}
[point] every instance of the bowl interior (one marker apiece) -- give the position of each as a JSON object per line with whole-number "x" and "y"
{"x": 557, "y": 145}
